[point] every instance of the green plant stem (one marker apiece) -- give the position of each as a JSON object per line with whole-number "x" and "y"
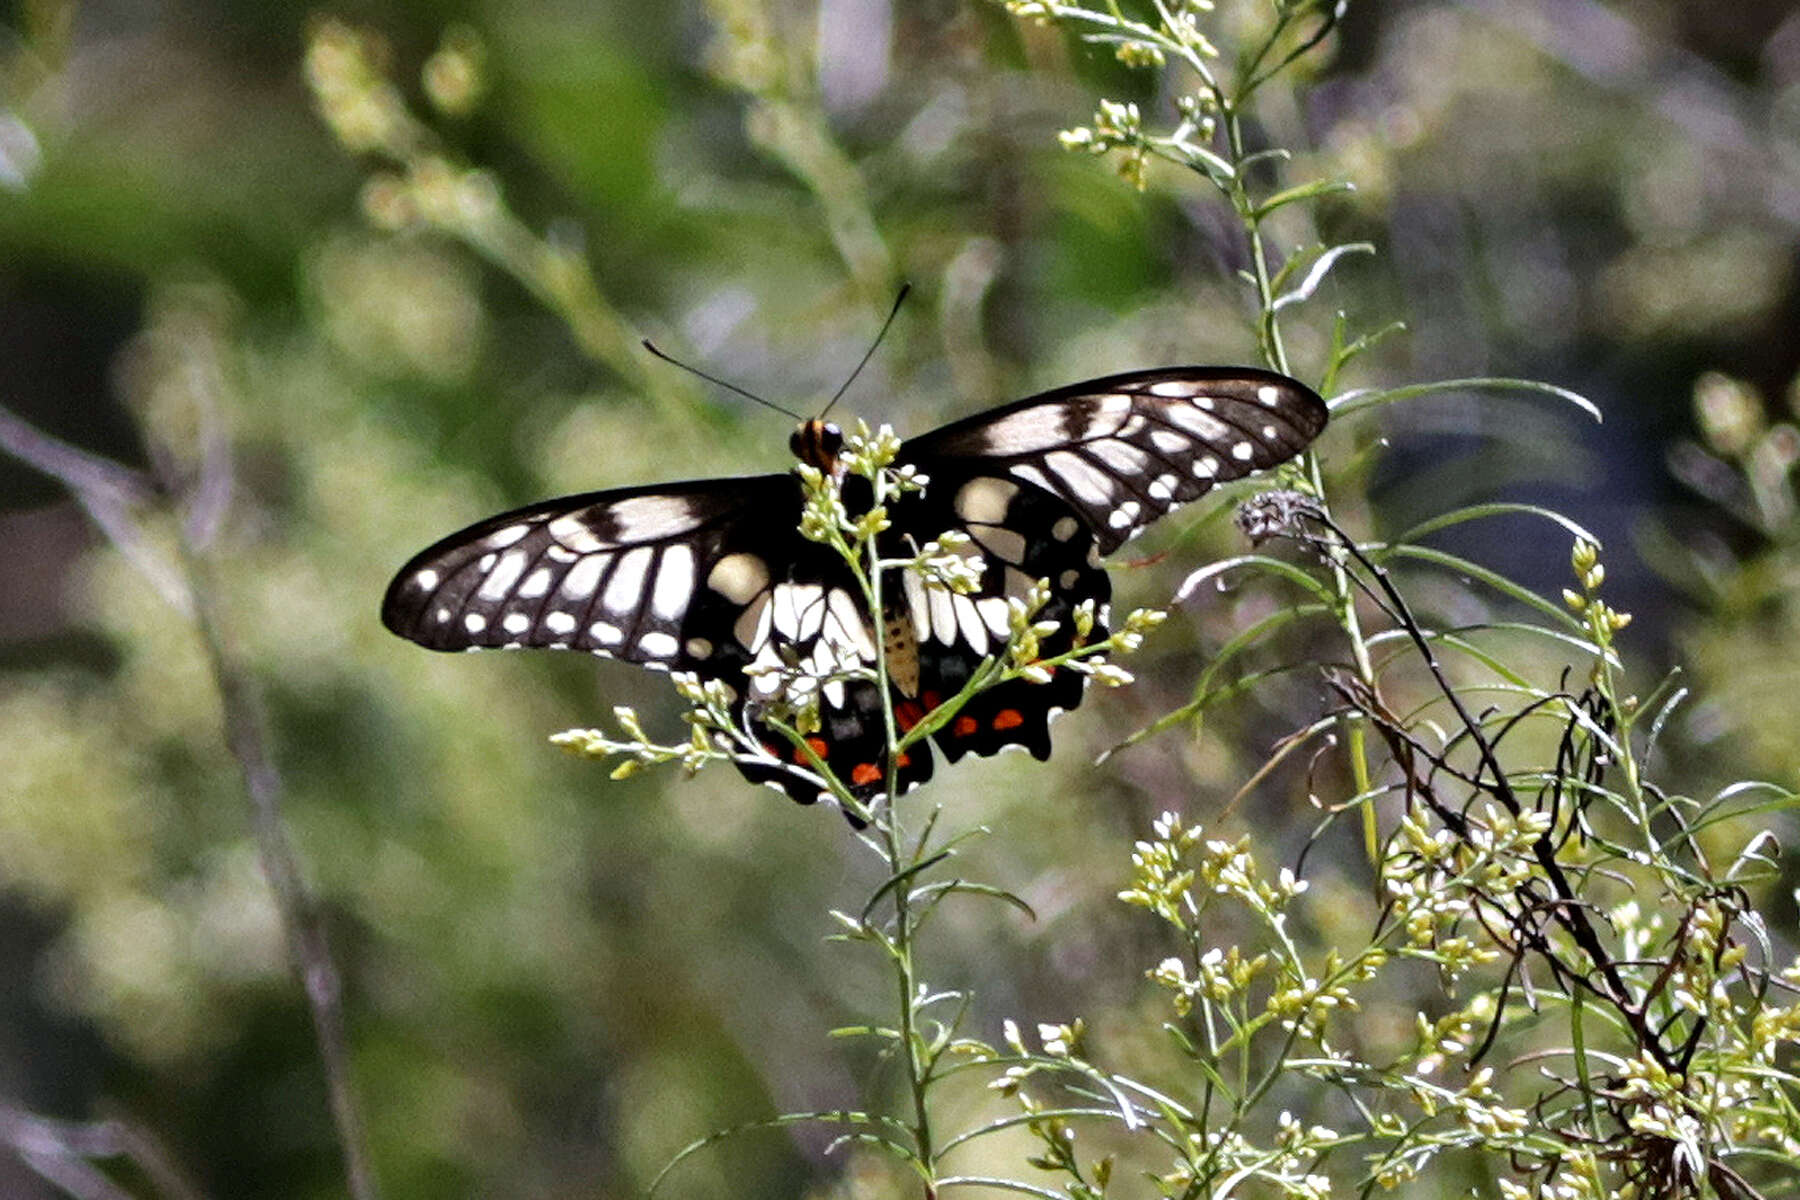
{"x": 1275, "y": 355}
{"x": 900, "y": 947}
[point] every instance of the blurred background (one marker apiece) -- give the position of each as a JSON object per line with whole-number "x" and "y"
{"x": 376, "y": 272}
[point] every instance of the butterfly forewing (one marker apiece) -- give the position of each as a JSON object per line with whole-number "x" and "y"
{"x": 1124, "y": 450}
{"x": 618, "y": 573}
{"x": 713, "y": 577}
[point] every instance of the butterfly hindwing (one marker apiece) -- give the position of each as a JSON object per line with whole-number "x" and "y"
{"x": 1022, "y": 534}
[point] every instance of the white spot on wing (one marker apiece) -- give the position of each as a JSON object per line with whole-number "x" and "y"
{"x": 1168, "y": 441}
{"x": 626, "y": 587}
{"x": 426, "y": 580}
{"x": 974, "y": 629}
{"x": 699, "y": 648}
{"x": 501, "y": 579}
{"x": 1003, "y": 544}
{"x": 1268, "y": 394}
{"x": 1162, "y": 488}
{"x": 1065, "y": 528}
{"x": 582, "y": 577}
{"x": 502, "y": 538}
{"x": 1197, "y": 422}
{"x": 515, "y": 622}
{"x": 1206, "y": 468}
{"x": 674, "y": 583}
{"x": 985, "y": 500}
{"x": 943, "y": 616}
{"x": 998, "y": 616}
{"x": 1243, "y": 451}
{"x": 658, "y": 645}
{"x": 738, "y": 577}
{"x": 1122, "y": 457}
{"x": 1171, "y": 387}
{"x": 559, "y": 622}
{"x": 536, "y": 584}
{"x": 474, "y": 622}
{"x": 752, "y": 626}
{"x": 917, "y": 603}
{"x": 851, "y": 629}
{"x": 1086, "y": 481}
{"x": 605, "y": 633}
{"x": 1033, "y": 429}
{"x": 798, "y": 610}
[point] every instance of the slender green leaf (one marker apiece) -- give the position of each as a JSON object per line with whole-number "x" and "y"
{"x": 933, "y": 892}
{"x": 1476, "y": 512}
{"x": 1491, "y": 578}
{"x": 1357, "y": 399}
{"x": 1304, "y": 191}
{"x": 838, "y": 1116}
{"x": 1274, "y": 566}
{"x": 1315, "y": 274}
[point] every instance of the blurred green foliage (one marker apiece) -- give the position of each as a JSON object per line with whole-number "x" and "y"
{"x": 554, "y": 982}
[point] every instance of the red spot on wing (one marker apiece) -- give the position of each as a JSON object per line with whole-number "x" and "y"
{"x": 964, "y": 726}
{"x": 908, "y": 713}
{"x": 865, "y": 773}
{"x": 818, "y": 746}
{"x": 1008, "y": 718}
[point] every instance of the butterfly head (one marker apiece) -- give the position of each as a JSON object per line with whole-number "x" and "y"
{"x": 817, "y": 443}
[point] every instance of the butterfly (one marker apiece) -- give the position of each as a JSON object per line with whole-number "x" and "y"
{"x": 713, "y": 577}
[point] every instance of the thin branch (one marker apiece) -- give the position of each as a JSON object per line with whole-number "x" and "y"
{"x": 62, "y": 1153}
{"x": 109, "y": 490}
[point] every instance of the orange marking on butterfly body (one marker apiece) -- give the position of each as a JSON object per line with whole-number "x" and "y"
{"x": 1008, "y": 718}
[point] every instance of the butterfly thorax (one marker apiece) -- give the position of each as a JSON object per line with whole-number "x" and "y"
{"x": 817, "y": 443}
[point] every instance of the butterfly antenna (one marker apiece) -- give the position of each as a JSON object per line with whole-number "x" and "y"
{"x": 714, "y": 379}
{"x": 892, "y": 313}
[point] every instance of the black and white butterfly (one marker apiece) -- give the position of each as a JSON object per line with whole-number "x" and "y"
{"x": 712, "y": 576}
